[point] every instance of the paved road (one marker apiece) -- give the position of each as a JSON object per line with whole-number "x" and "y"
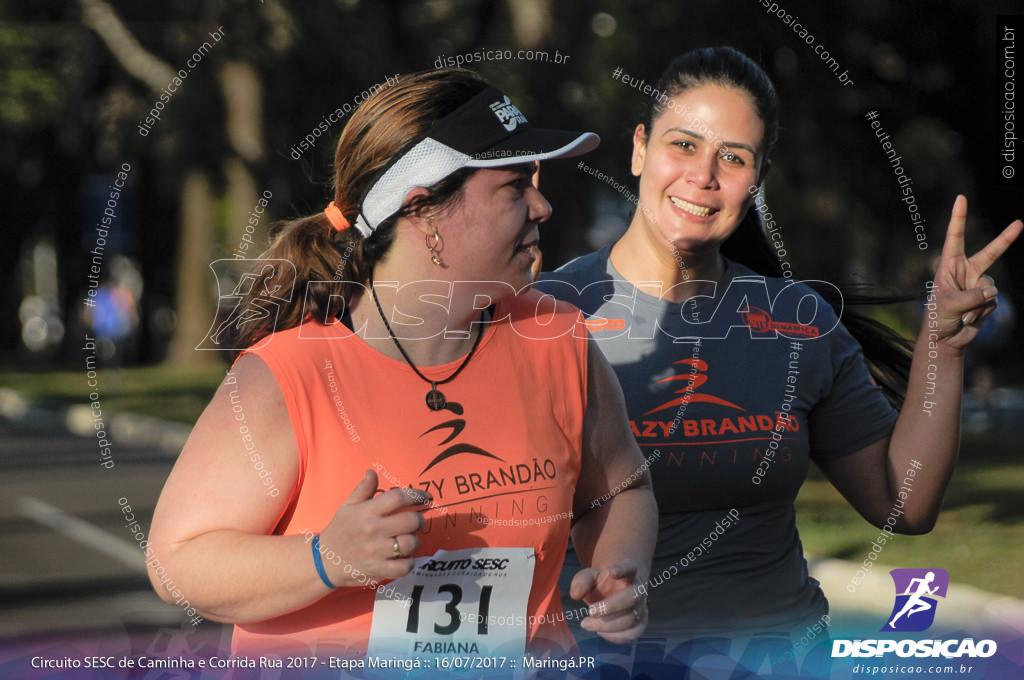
{"x": 68, "y": 564}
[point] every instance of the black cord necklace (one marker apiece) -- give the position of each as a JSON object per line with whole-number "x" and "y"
{"x": 435, "y": 398}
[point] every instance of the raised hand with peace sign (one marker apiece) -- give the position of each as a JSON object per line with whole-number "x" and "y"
{"x": 963, "y": 295}
{"x": 925, "y": 442}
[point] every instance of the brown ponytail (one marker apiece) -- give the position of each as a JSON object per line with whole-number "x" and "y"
{"x": 326, "y": 263}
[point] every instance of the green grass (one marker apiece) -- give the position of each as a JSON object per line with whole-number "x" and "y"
{"x": 978, "y": 538}
{"x": 178, "y": 394}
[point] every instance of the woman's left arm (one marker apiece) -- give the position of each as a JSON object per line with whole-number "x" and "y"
{"x": 615, "y": 515}
{"x": 924, "y": 445}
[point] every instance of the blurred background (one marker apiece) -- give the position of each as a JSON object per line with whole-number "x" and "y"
{"x": 221, "y": 158}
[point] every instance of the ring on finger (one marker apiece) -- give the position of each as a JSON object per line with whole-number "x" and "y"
{"x": 636, "y": 614}
{"x": 396, "y": 552}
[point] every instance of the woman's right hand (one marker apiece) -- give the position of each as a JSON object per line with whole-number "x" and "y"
{"x": 364, "y": 530}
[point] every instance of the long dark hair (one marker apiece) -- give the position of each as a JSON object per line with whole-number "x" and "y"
{"x": 327, "y": 263}
{"x": 887, "y": 352}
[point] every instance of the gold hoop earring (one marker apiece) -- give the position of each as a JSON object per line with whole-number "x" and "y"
{"x": 433, "y": 255}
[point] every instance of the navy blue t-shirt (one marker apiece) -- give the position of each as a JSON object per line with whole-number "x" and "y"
{"x": 730, "y": 396}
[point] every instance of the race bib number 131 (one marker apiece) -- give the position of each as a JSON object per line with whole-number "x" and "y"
{"x": 471, "y": 601}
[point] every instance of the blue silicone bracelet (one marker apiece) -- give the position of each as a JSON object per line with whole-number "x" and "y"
{"x": 319, "y": 562}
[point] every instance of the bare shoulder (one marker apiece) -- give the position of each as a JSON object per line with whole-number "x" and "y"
{"x": 240, "y": 463}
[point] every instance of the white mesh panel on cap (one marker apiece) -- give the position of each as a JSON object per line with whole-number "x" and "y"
{"x": 423, "y": 165}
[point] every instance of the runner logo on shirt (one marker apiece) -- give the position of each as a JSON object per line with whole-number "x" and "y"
{"x": 478, "y": 482}
{"x": 696, "y": 377}
{"x": 727, "y": 433}
{"x": 457, "y": 425}
{"x": 705, "y": 427}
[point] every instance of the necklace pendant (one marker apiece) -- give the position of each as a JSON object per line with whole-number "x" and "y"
{"x": 435, "y": 399}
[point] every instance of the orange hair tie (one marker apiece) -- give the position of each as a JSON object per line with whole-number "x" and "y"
{"x": 335, "y": 217}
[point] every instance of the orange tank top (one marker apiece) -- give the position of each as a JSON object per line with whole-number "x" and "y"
{"x": 501, "y": 461}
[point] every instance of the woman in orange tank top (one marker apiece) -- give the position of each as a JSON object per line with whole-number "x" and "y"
{"x": 393, "y": 466}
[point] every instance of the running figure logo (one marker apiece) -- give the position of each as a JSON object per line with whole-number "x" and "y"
{"x": 264, "y": 304}
{"x": 456, "y": 425}
{"x": 915, "y": 605}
